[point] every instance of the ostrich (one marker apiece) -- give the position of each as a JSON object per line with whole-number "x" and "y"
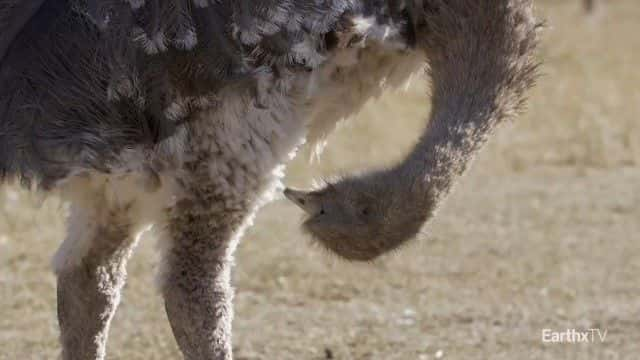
{"x": 590, "y": 5}
{"x": 181, "y": 114}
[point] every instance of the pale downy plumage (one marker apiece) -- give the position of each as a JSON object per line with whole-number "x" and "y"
{"x": 181, "y": 113}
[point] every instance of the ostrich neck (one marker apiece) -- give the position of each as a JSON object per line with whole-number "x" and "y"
{"x": 481, "y": 65}
{"x": 468, "y": 102}
{"x": 454, "y": 134}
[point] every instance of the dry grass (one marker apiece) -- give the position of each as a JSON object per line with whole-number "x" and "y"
{"x": 539, "y": 234}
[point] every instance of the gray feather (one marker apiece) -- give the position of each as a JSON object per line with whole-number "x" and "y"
{"x": 81, "y": 81}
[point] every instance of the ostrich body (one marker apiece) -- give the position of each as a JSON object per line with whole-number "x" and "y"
{"x": 183, "y": 113}
{"x": 589, "y": 5}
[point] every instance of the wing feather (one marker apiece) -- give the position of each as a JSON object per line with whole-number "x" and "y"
{"x": 81, "y": 81}
{"x": 14, "y": 14}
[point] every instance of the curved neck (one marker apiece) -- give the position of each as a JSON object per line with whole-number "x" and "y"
{"x": 460, "y": 124}
{"x": 480, "y": 67}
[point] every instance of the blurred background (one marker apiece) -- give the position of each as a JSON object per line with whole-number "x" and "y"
{"x": 541, "y": 233}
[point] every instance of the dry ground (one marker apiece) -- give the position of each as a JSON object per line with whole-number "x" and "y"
{"x": 542, "y": 233}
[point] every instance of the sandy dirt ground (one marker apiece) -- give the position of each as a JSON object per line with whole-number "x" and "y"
{"x": 542, "y": 233}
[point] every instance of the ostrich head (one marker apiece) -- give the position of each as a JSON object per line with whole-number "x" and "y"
{"x": 360, "y": 217}
{"x": 481, "y": 63}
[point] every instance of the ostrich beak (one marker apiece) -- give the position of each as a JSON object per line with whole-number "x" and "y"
{"x": 303, "y": 199}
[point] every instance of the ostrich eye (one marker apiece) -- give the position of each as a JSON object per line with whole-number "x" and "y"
{"x": 322, "y": 211}
{"x": 365, "y": 211}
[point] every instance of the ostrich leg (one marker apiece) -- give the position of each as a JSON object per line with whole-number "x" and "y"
{"x": 90, "y": 267}
{"x": 197, "y": 290}
{"x": 231, "y": 163}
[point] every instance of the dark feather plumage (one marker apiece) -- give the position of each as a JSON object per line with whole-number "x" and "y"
{"x": 14, "y": 14}
{"x": 83, "y": 80}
